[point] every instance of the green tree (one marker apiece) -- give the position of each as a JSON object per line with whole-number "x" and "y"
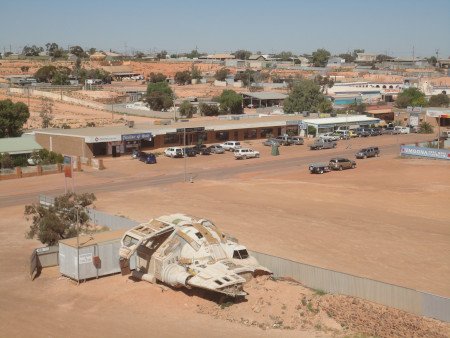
{"x": 196, "y": 73}
{"x": 432, "y": 61}
{"x": 46, "y": 112}
{"x": 139, "y": 55}
{"x": 347, "y": 57}
{"x": 230, "y": 102}
{"x": 440, "y": 100}
{"x": 242, "y": 54}
{"x": 208, "y": 109}
{"x": 62, "y": 220}
{"x": 92, "y": 50}
{"x": 183, "y": 77}
{"x": 221, "y": 74}
{"x": 78, "y": 51}
{"x": 187, "y": 109}
{"x": 157, "y": 77}
{"x": 325, "y": 106}
{"x": 45, "y": 73}
{"x": 12, "y": 118}
{"x": 425, "y": 128}
{"x": 194, "y": 54}
{"x": 247, "y": 77}
{"x": 411, "y": 97}
{"x": 383, "y": 57}
{"x": 285, "y": 56}
{"x": 54, "y": 50}
{"x": 357, "y": 107}
{"x": 304, "y": 95}
{"x": 6, "y": 162}
{"x": 320, "y": 57}
{"x": 161, "y": 55}
{"x": 159, "y": 96}
{"x": 32, "y": 50}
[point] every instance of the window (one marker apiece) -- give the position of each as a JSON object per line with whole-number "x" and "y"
{"x": 222, "y": 135}
{"x": 249, "y": 134}
{"x": 129, "y": 241}
{"x": 171, "y": 139}
{"x": 240, "y": 254}
{"x": 266, "y": 131}
{"x": 199, "y": 235}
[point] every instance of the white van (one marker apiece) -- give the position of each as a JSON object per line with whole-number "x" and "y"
{"x": 402, "y": 130}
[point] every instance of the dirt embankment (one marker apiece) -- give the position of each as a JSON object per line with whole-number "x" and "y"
{"x": 287, "y": 305}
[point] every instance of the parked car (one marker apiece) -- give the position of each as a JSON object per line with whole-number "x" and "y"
{"x": 362, "y": 132}
{"x": 231, "y": 145}
{"x": 322, "y": 144}
{"x": 297, "y": 140}
{"x": 174, "y": 152}
{"x": 270, "y": 142}
{"x": 284, "y": 140}
{"x": 330, "y": 137}
{"x": 319, "y": 168}
{"x": 189, "y": 152}
{"x": 201, "y": 149}
{"x": 339, "y": 163}
{"x": 342, "y": 134}
{"x": 136, "y": 153}
{"x": 390, "y": 131}
{"x": 402, "y": 130}
{"x": 368, "y": 152}
{"x": 244, "y": 153}
{"x": 375, "y": 132}
{"x": 149, "y": 158}
{"x": 216, "y": 149}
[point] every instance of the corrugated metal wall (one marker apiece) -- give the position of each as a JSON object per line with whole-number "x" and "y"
{"x": 417, "y": 302}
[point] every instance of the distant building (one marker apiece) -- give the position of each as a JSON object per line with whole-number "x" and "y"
{"x": 220, "y": 57}
{"x": 365, "y": 57}
{"x": 335, "y": 62}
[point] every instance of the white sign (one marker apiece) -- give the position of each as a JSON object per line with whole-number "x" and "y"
{"x": 438, "y": 113}
{"x": 42, "y": 249}
{"x": 414, "y": 120}
{"x": 99, "y": 139}
{"x": 86, "y": 258}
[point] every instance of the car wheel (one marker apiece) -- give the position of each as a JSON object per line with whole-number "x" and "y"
{"x": 377, "y": 155}
{"x": 365, "y": 156}
{"x": 340, "y": 168}
{"x": 257, "y": 155}
{"x": 244, "y": 157}
{"x": 353, "y": 166}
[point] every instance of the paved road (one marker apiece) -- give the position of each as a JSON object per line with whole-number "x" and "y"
{"x": 130, "y": 183}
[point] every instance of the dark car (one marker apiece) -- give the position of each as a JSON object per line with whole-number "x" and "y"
{"x": 362, "y": 132}
{"x": 149, "y": 158}
{"x": 189, "y": 152}
{"x": 368, "y": 152}
{"x": 340, "y": 163}
{"x": 319, "y": 168}
{"x": 375, "y": 132}
{"x": 142, "y": 155}
{"x": 201, "y": 149}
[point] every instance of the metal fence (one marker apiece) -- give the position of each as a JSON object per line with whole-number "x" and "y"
{"x": 410, "y": 300}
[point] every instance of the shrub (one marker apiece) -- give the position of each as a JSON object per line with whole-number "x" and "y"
{"x": 425, "y": 128}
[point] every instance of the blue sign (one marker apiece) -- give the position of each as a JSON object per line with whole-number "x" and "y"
{"x": 137, "y": 137}
{"x": 425, "y": 152}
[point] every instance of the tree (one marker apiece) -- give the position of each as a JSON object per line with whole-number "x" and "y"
{"x": 157, "y": 77}
{"x": 221, "y": 74}
{"x": 382, "y": 58}
{"x": 54, "y": 50}
{"x": 45, "y": 73}
{"x": 305, "y": 95}
{"x": 92, "y": 50}
{"x": 161, "y": 55}
{"x": 357, "y": 107}
{"x": 187, "y": 109}
{"x": 159, "y": 96}
{"x": 440, "y": 100}
{"x": 432, "y": 61}
{"x": 285, "y": 56}
{"x": 6, "y": 161}
{"x": 324, "y": 82}
{"x": 230, "y": 102}
{"x": 183, "y": 77}
{"x": 32, "y": 50}
{"x": 320, "y": 57}
{"x": 208, "y": 109}
{"x": 325, "y": 106}
{"x": 196, "y": 73}
{"x": 139, "y": 55}
{"x": 247, "y": 77}
{"x": 61, "y": 220}
{"x": 347, "y": 57}
{"x": 242, "y": 54}
{"x": 411, "y": 97}
{"x": 194, "y": 54}
{"x": 12, "y": 118}
{"x": 46, "y": 112}
{"x": 78, "y": 51}
{"x": 425, "y": 128}
{"x": 357, "y": 51}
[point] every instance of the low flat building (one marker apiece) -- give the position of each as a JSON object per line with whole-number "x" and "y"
{"x": 263, "y": 99}
{"x": 103, "y": 141}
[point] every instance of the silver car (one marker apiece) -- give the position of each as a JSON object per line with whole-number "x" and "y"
{"x": 297, "y": 140}
{"x": 216, "y": 149}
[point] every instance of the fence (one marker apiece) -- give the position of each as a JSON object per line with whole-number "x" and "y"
{"x": 410, "y": 300}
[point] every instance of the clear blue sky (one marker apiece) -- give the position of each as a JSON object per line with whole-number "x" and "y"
{"x": 300, "y": 26}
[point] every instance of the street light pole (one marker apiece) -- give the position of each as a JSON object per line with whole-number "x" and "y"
{"x": 185, "y": 152}
{"x": 78, "y": 244}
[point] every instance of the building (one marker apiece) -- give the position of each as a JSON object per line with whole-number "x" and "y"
{"x": 220, "y": 56}
{"x": 120, "y": 72}
{"x": 263, "y": 99}
{"x": 365, "y": 57}
{"x": 21, "y": 146}
{"x": 104, "y": 141}
{"x": 335, "y": 62}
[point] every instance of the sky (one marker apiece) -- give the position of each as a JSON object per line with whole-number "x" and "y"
{"x": 395, "y": 27}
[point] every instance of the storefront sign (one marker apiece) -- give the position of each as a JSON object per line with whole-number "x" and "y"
{"x": 438, "y": 113}
{"x": 67, "y": 166}
{"x": 414, "y": 119}
{"x": 190, "y": 130}
{"x": 425, "y": 152}
{"x": 137, "y": 137}
{"x": 100, "y": 139}
{"x": 294, "y": 122}
{"x": 411, "y": 109}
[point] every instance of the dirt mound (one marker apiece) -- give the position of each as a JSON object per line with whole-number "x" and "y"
{"x": 284, "y": 304}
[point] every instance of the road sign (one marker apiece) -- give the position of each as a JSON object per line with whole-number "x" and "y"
{"x": 190, "y": 130}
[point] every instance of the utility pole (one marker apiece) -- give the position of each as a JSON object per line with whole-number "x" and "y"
{"x": 185, "y": 153}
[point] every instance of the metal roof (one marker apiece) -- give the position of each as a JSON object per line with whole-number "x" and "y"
{"x": 266, "y": 95}
{"x": 19, "y": 145}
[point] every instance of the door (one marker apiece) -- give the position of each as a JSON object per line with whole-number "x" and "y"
{"x": 114, "y": 151}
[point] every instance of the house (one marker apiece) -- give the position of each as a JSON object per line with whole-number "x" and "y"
{"x": 335, "y": 62}
{"x": 220, "y": 56}
{"x": 365, "y": 57}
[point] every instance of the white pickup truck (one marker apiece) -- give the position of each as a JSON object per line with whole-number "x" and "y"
{"x": 244, "y": 153}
